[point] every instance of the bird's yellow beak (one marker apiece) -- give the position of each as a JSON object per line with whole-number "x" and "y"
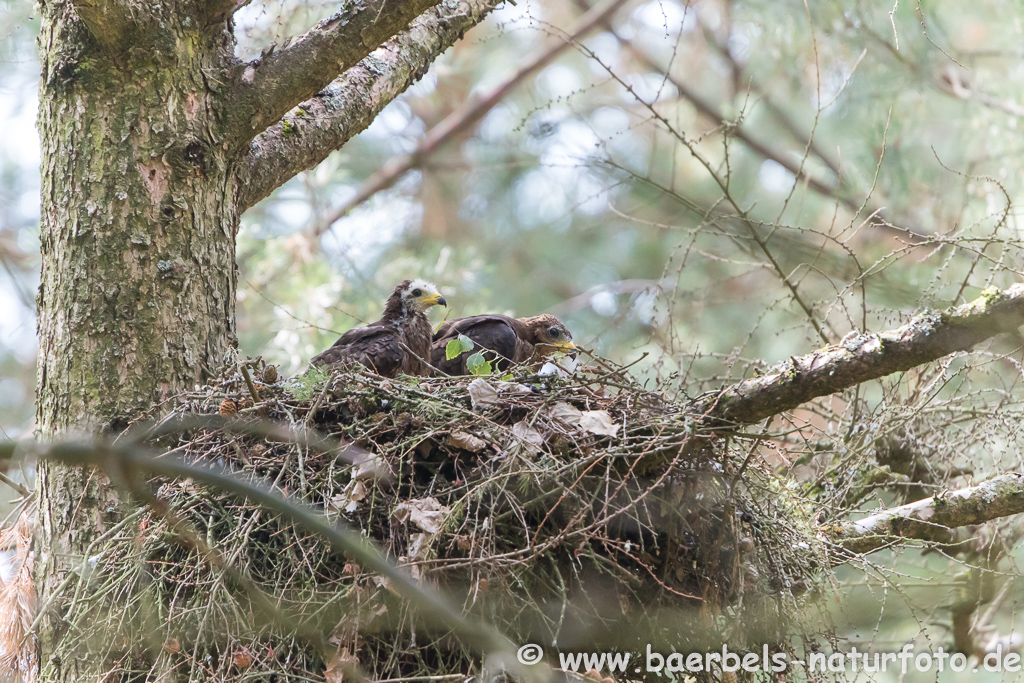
{"x": 566, "y": 347}
{"x": 434, "y": 300}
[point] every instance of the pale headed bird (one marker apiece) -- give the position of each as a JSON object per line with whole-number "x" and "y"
{"x": 398, "y": 342}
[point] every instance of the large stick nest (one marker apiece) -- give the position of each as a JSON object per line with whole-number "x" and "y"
{"x": 583, "y": 513}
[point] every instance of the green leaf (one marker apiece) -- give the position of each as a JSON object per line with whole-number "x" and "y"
{"x": 477, "y": 365}
{"x": 452, "y": 349}
{"x": 460, "y": 344}
{"x": 507, "y": 377}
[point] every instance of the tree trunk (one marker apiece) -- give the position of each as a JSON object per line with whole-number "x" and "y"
{"x": 155, "y": 138}
{"x": 137, "y": 293}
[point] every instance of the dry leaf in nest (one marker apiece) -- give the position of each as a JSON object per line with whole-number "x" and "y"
{"x": 426, "y": 513}
{"x": 348, "y": 499}
{"x": 342, "y": 664}
{"x": 563, "y": 367}
{"x": 524, "y": 432}
{"x": 228, "y": 408}
{"x": 513, "y": 388}
{"x": 367, "y": 465}
{"x": 172, "y": 646}
{"x": 466, "y": 442}
{"x": 563, "y": 412}
{"x": 419, "y": 549}
{"x": 334, "y": 673}
{"x": 241, "y": 659}
{"x": 358, "y": 492}
{"x": 482, "y": 394}
{"x": 598, "y": 422}
{"x": 385, "y": 583}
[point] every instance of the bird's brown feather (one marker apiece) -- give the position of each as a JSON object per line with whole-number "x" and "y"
{"x": 377, "y": 346}
{"x": 396, "y": 343}
{"x": 503, "y": 339}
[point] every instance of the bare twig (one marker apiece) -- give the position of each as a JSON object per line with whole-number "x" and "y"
{"x": 482, "y": 637}
{"x": 837, "y": 190}
{"x": 252, "y": 392}
{"x": 22, "y": 491}
{"x": 460, "y": 120}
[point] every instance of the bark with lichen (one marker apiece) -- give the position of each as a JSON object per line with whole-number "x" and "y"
{"x": 863, "y": 357}
{"x": 137, "y": 291}
{"x": 147, "y": 121}
{"x": 931, "y": 519}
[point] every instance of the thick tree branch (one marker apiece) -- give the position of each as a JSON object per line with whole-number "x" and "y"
{"x": 932, "y": 519}
{"x": 462, "y": 119}
{"x": 324, "y": 123}
{"x": 273, "y": 84}
{"x": 864, "y": 357}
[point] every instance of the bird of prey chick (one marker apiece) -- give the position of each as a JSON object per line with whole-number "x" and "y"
{"x": 398, "y": 342}
{"x": 508, "y": 340}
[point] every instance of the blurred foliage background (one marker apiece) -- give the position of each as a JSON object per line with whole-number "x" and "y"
{"x": 718, "y": 184}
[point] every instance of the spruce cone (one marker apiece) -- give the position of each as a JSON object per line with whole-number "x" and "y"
{"x": 270, "y": 374}
{"x": 228, "y": 408}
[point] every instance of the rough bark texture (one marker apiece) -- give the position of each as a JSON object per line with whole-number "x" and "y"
{"x": 933, "y": 519}
{"x": 138, "y": 221}
{"x": 864, "y": 357}
{"x": 142, "y": 152}
{"x": 283, "y": 78}
{"x": 137, "y": 292}
{"x": 306, "y": 135}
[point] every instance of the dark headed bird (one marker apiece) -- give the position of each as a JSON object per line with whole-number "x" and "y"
{"x": 395, "y": 343}
{"x": 509, "y": 340}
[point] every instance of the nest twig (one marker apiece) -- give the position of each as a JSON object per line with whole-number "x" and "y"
{"x": 571, "y": 511}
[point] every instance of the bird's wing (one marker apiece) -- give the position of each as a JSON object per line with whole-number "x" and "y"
{"x": 493, "y": 332}
{"x": 378, "y": 347}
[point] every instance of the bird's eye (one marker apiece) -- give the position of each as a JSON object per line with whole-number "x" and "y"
{"x": 554, "y": 331}
{"x": 417, "y": 292}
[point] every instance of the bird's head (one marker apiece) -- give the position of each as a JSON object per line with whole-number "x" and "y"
{"x": 418, "y": 295}
{"x": 549, "y": 335}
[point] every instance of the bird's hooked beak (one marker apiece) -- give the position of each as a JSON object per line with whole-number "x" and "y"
{"x": 435, "y": 300}
{"x": 568, "y": 347}
{"x": 552, "y": 347}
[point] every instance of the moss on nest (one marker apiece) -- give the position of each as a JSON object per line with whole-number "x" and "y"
{"x": 584, "y": 512}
